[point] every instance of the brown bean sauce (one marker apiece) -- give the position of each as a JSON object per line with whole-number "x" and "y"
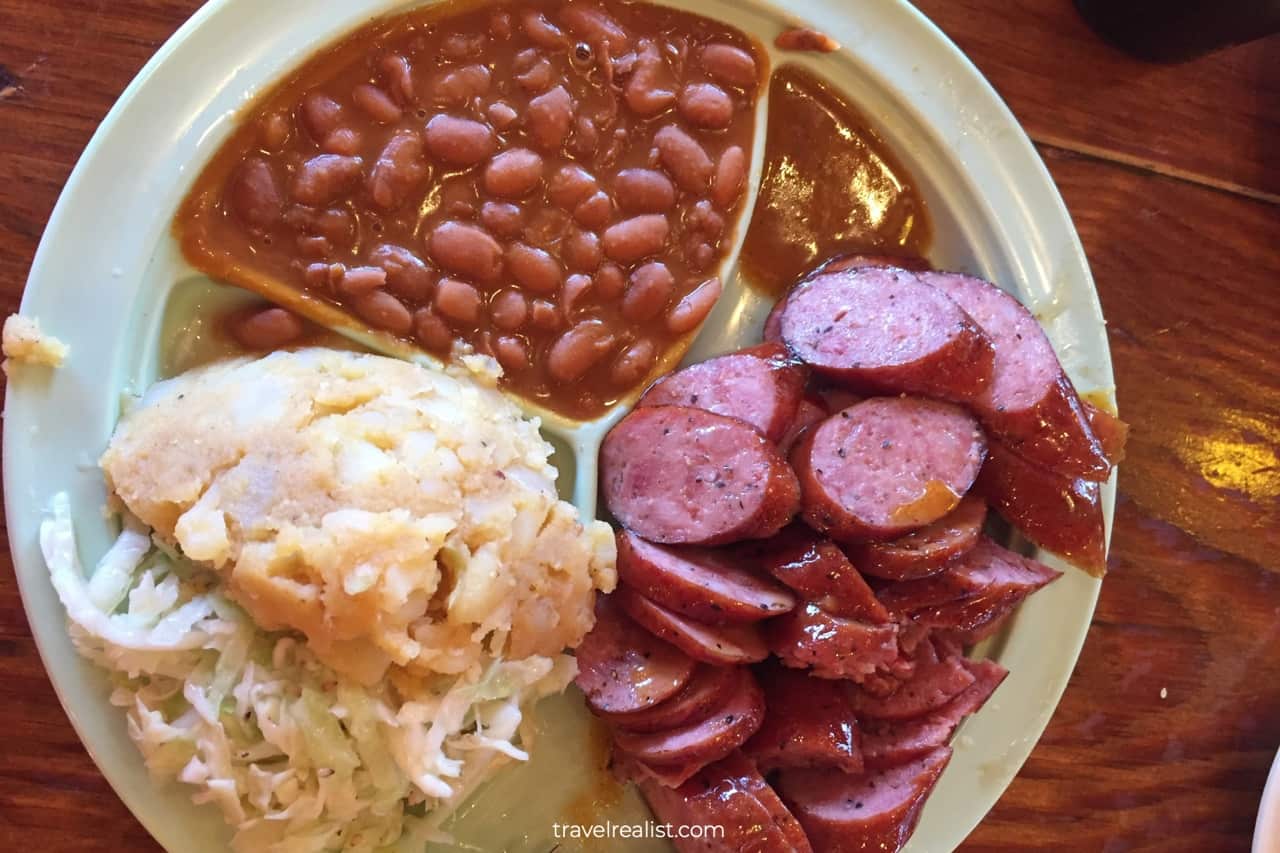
{"x": 830, "y": 186}
{"x": 546, "y": 182}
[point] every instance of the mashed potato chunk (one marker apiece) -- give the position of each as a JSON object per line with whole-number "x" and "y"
{"x": 23, "y": 341}
{"x": 391, "y": 513}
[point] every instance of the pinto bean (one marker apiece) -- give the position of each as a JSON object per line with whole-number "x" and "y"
{"x": 511, "y": 353}
{"x": 595, "y": 211}
{"x": 540, "y": 30}
{"x": 578, "y": 350}
{"x": 689, "y": 312}
{"x": 274, "y": 131}
{"x": 644, "y": 191}
{"x": 586, "y": 136}
{"x": 502, "y": 218}
{"x": 343, "y": 141}
{"x": 730, "y": 64}
{"x": 648, "y": 291}
{"x": 509, "y": 310}
{"x": 611, "y": 281}
{"x": 357, "y": 280}
{"x": 407, "y": 276}
{"x": 457, "y": 301}
{"x": 731, "y": 175}
{"x": 532, "y": 70}
{"x": 513, "y": 173}
{"x": 267, "y": 329}
{"x": 576, "y": 287}
{"x": 459, "y": 87}
{"x": 314, "y": 247}
{"x": 502, "y": 115}
{"x": 466, "y": 250}
{"x": 500, "y": 25}
{"x": 684, "y": 158}
{"x": 544, "y": 315}
{"x": 461, "y": 46}
{"x": 399, "y": 76}
{"x": 431, "y": 331}
{"x": 548, "y": 118}
{"x": 255, "y": 194}
{"x": 570, "y": 185}
{"x": 534, "y": 269}
{"x": 376, "y": 103}
{"x": 324, "y": 178}
{"x": 706, "y": 105}
{"x": 383, "y": 311}
{"x": 702, "y": 219}
{"x": 650, "y": 89}
{"x": 400, "y": 169}
{"x": 633, "y": 363}
{"x": 323, "y": 274}
{"x": 701, "y": 255}
{"x": 321, "y": 115}
{"x": 595, "y": 27}
{"x": 459, "y": 141}
{"x": 581, "y": 251}
{"x": 633, "y": 239}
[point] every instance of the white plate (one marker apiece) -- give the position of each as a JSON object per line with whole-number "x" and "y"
{"x": 106, "y": 269}
{"x": 1266, "y": 833}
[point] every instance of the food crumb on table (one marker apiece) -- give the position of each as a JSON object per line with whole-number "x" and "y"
{"x": 24, "y": 342}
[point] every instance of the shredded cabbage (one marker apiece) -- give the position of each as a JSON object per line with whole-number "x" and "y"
{"x": 297, "y": 758}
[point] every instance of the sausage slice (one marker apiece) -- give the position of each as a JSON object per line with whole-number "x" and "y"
{"x": 715, "y": 644}
{"x": 708, "y": 739}
{"x": 1030, "y": 403}
{"x": 989, "y": 573}
{"x": 762, "y": 386}
{"x": 929, "y": 549}
{"x": 808, "y": 413}
{"x": 708, "y": 688}
{"x": 678, "y": 475}
{"x": 699, "y": 583}
{"x": 878, "y": 810}
{"x": 622, "y": 668}
{"x": 818, "y": 570}
{"x": 887, "y": 466}
{"x": 932, "y": 684}
{"x": 1112, "y": 432}
{"x": 886, "y": 331}
{"x": 831, "y": 646}
{"x": 1058, "y": 513}
{"x": 808, "y": 722}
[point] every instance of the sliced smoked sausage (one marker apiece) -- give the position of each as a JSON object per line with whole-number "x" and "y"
{"x": 885, "y": 330}
{"x": 762, "y": 385}
{"x": 831, "y": 646}
{"x": 808, "y": 722}
{"x": 699, "y": 583}
{"x": 714, "y": 644}
{"x": 1030, "y": 403}
{"x": 708, "y": 687}
{"x": 929, "y": 549}
{"x": 678, "y": 475}
{"x": 622, "y": 668}
{"x": 818, "y": 570}
{"x": 886, "y": 466}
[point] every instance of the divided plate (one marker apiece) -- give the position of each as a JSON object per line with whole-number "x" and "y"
{"x": 108, "y": 279}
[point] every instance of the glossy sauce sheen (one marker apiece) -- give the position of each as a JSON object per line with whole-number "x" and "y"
{"x": 543, "y": 181}
{"x": 830, "y": 186}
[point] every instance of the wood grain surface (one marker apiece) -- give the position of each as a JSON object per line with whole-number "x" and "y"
{"x": 1172, "y": 175}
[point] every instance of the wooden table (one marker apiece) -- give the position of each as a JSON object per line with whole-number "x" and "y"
{"x": 1172, "y": 175}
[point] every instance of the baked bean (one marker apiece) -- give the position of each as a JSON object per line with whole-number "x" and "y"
{"x": 459, "y": 141}
{"x": 275, "y": 131}
{"x": 548, "y": 118}
{"x": 731, "y": 175}
{"x": 546, "y": 227}
{"x": 500, "y": 25}
{"x": 532, "y": 70}
{"x": 322, "y": 274}
{"x": 376, "y": 103}
{"x": 684, "y": 158}
{"x": 511, "y": 353}
{"x": 459, "y": 87}
{"x": 689, "y": 312}
{"x": 431, "y": 330}
{"x": 400, "y": 169}
{"x": 269, "y": 328}
{"x": 650, "y": 89}
{"x": 320, "y": 115}
{"x": 358, "y": 280}
{"x": 458, "y": 302}
{"x": 576, "y": 287}
{"x": 701, "y": 256}
{"x": 502, "y": 218}
{"x": 509, "y": 310}
{"x": 644, "y": 191}
{"x": 569, "y": 185}
{"x": 648, "y": 291}
{"x": 595, "y": 27}
{"x": 586, "y": 137}
{"x": 458, "y": 198}
{"x": 541, "y": 31}
{"x": 578, "y": 350}
{"x": 335, "y": 223}
{"x": 702, "y": 219}
{"x": 502, "y": 115}
{"x": 706, "y": 105}
{"x": 534, "y": 269}
{"x": 324, "y": 178}
{"x": 466, "y": 250}
{"x": 407, "y": 276}
{"x": 460, "y": 46}
{"x": 611, "y": 281}
{"x": 730, "y": 64}
{"x": 639, "y": 237}
{"x": 581, "y": 251}
{"x": 254, "y": 194}
{"x": 343, "y": 141}
{"x": 513, "y": 173}
{"x": 383, "y": 311}
{"x": 594, "y": 211}
{"x": 399, "y": 75}
{"x": 544, "y": 315}
{"x": 314, "y": 247}
{"x": 633, "y": 363}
